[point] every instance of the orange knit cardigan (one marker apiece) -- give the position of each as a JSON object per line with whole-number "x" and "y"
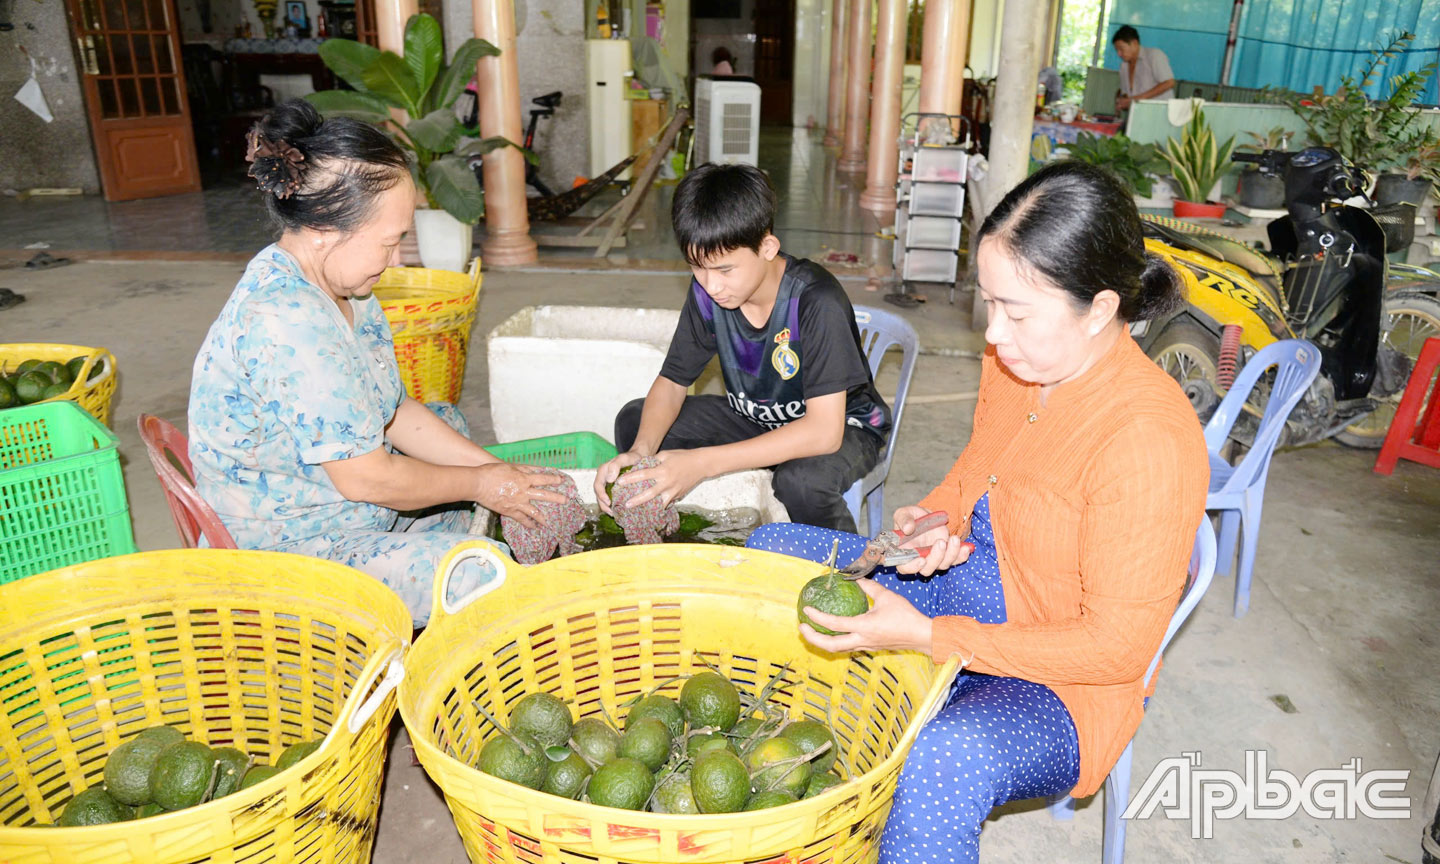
{"x": 1095, "y": 498}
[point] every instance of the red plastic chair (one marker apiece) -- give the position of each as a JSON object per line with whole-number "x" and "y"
{"x": 168, "y": 448}
{"x": 1407, "y": 439}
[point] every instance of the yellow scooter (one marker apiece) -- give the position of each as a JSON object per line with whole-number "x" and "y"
{"x": 1325, "y": 279}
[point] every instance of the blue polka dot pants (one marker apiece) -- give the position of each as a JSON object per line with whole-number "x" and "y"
{"x": 995, "y": 740}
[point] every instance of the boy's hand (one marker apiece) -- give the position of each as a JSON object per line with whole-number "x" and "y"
{"x": 679, "y": 471}
{"x": 608, "y": 473}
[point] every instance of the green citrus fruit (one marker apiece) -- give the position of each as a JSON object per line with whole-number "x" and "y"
{"x": 647, "y": 740}
{"x": 94, "y": 806}
{"x": 708, "y": 699}
{"x": 766, "y": 774}
{"x": 295, "y": 752}
{"x": 834, "y": 595}
{"x": 595, "y": 740}
{"x": 567, "y": 777}
{"x": 704, "y": 743}
{"x": 543, "y": 717}
{"x": 820, "y": 783}
{"x": 258, "y": 774}
{"x": 662, "y": 708}
{"x": 182, "y": 775}
{"x": 766, "y": 800}
{"x": 720, "y": 782}
{"x": 502, "y": 757}
{"x": 673, "y": 794}
{"x": 624, "y": 784}
{"x": 811, "y": 735}
{"x": 232, "y": 771}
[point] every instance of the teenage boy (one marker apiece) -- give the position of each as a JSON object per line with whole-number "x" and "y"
{"x": 798, "y": 393}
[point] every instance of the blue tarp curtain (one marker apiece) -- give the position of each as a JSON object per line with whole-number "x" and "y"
{"x": 1299, "y": 44}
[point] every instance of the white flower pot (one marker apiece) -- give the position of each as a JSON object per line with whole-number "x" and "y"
{"x": 444, "y": 240}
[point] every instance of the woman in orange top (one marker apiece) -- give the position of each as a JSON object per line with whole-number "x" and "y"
{"x": 1073, "y": 509}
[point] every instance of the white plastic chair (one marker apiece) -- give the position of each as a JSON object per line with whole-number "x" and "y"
{"x": 879, "y": 331}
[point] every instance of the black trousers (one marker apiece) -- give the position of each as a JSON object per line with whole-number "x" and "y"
{"x": 812, "y": 488}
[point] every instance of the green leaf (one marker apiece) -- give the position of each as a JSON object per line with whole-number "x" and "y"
{"x": 557, "y": 753}
{"x": 348, "y": 59}
{"x": 455, "y": 188}
{"x": 437, "y": 131}
{"x": 390, "y": 78}
{"x": 424, "y": 50}
{"x": 452, "y": 81}
{"x": 484, "y": 146}
{"x": 350, "y": 103}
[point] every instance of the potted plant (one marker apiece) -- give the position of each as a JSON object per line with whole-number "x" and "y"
{"x": 1262, "y": 191}
{"x": 1197, "y": 164}
{"x": 1137, "y": 165}
{"x": 421, "y": 85}
{"x": 1381, "y": 135}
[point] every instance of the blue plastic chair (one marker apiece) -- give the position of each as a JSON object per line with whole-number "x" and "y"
{"x": 1117, "y": 785}
{"x": 879, "y": 331}
{"x": 1238, "y": 491}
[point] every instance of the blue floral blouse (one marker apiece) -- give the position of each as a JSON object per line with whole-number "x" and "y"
{"x": 282, "y": 384}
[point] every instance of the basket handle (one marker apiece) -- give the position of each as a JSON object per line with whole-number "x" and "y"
{"x": 96, "y": 356}
{"x": 467, "y": 551}
{"x": 394, "y": 672}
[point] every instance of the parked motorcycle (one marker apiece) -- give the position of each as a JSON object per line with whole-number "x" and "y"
{"x": 1325, "y": 279}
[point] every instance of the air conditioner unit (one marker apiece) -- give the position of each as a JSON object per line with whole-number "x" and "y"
{"x": 727, "y": 121}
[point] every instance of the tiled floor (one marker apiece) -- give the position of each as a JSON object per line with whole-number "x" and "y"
{"x": 818, "y": 217}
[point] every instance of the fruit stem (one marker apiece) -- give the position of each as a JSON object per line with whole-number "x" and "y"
{"x": 575, "y": 748}
{"x": 214, "y": 779}
{"x": 524, "y": 748}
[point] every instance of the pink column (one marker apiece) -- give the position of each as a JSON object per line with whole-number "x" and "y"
{"x": 879, "y": 194}
{"x": 942, "y": 55}
{"x": 507, "y": 222}
{"x": 857, "y": 87}
{"x": 390, "y": 18}
{"x": 835, "y": 105}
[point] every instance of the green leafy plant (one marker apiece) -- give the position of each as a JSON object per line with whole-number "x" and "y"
{"x": 1261, "y": 141}
{"x": 1196, "y": 161}
{"x": 425, "y": 88}
{"x": 1375, "y": 134}
{"x": 1424, "y": 162}
{"x": 1131, "y": 161}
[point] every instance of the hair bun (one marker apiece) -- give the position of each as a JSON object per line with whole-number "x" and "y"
{"x": 1159, "y": 289}
{"x": 277, "y": 165}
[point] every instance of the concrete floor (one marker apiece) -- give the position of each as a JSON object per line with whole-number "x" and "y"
{"x": 1342, "y": 612}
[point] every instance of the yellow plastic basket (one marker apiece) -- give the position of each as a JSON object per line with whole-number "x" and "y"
{"x": 92, "y": 395}
{"x": 256, "y": 650}
{"x": 598, "y": 628}
{"x": 431, "y": 313}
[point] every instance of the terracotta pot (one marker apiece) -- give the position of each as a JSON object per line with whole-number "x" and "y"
{"x": 1191, "y": 210}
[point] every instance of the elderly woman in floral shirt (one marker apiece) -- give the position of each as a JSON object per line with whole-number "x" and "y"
{"x": 301, "y": 434}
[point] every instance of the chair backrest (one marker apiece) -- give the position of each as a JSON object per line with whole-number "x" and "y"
{"x": 1202, "y": 571}
{"x": 193, "y": 517}
{"x": 880, "y": 330}
{"x": 1297, "y": 363}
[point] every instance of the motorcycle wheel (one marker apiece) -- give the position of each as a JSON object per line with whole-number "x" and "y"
{"x": 1410, "y": 320}
{"x": 1189, "y": 353}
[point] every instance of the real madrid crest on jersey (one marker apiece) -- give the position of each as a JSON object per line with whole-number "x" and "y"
{"x": 784, "y": 358}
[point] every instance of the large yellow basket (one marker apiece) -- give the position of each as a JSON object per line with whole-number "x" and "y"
{"x": 92, "y": 394}
{"x": 598, "y": 628}
{"x": 431, "y": 313}
{"x": 255, "y": 650}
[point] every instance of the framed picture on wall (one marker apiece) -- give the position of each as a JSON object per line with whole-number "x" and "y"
{"x": 296, "y": 16}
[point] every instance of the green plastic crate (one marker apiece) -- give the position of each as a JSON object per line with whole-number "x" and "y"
{"x": 573, "y": 450}
{"x": 62, "y": 496}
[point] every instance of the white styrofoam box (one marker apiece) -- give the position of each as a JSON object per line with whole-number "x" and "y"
{"x": 727, "y": 492}
{"x": 558, "y": 369}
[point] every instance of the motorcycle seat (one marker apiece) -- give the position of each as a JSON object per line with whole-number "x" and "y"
{"x": 1216, "y": 245}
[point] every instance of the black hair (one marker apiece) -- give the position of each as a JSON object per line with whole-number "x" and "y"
{"x": 1125, "y": 34}
{"x": 1077, "y": 225}
{"x": 720, "y": 54}
{"x": 718, "y": 208}
{"x": 346, "y": 165}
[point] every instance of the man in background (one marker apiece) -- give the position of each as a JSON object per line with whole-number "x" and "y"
{"x": 1144, "y": 72}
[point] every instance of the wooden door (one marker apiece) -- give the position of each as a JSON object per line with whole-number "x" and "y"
{"x": 134, "y": 85}
{"x": 775, "y": 59}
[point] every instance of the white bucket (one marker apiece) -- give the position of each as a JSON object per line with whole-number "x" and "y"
{"x": 444, "y": 240}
